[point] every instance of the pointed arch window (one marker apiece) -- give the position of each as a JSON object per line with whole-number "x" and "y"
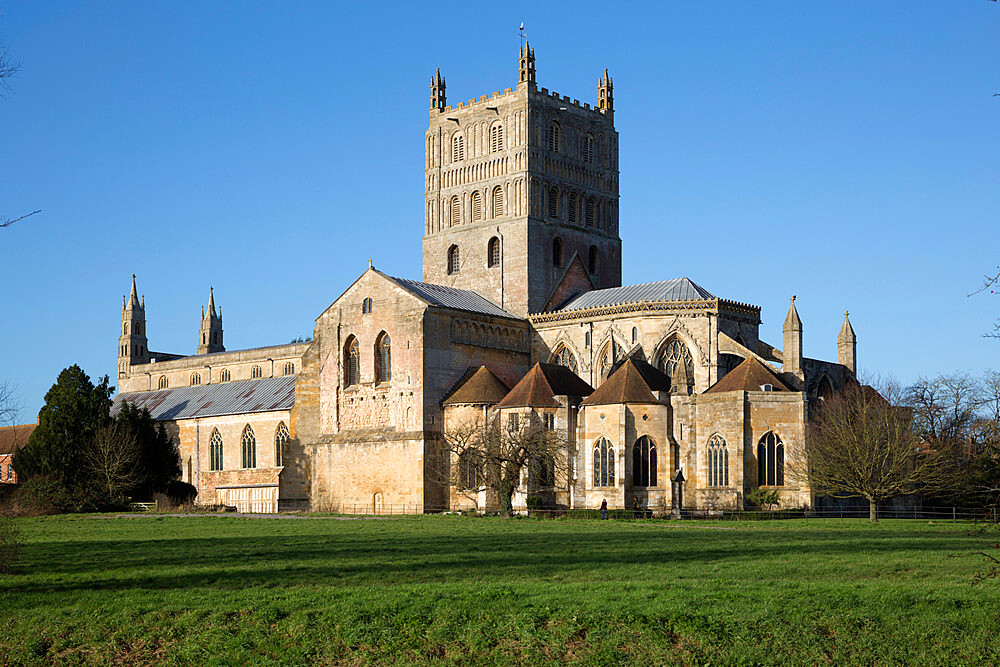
{"x": 565, "y": 357}
{"x": 553, "y": 202}
{"x": 215, "y": 451}
{"x": 770, "y": 460}
{"x": 497, "y": 201}
{"x": 453, "y": 260}
{"x": 496, "y": 138}
{"x": 589, "y": 211}
{"x": 604, "y": 463}
{"x": 455, "y": 209}
{"x": 613, "y": 351}
{"x": 644, "y": 462}
{"x": 457, "y": 147}
{"x": 557, "y": 252}
{"x": 552, "y": 137}
{"x": 255, "y": 372}
{"x": 572, "y": 207}
{"x": 675, "y": 352}
{"x": 824, "y": 389}
{"x": 383, "y": 357}
{"x": 280, "y": 440}
{"x": 493, "y": 252}
{"x": 477, "y": 205}
{"x": 163, "y": 383}
{"x": 470, "y": 474}
{"x": 226, "y": 375}
{"x": 195, "y": 379}
{"x": 249, "y": 448}
{"x": 635, "y": 335}
{"x": 718, "y": 462}
{"x": 352, "y": 362}
{"x": 366, "y": 305}
{"x": 289, "y": 368}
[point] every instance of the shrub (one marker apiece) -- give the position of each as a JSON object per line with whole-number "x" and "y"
{"x": 10, "y": 544}
{"x": 765, "y": 498}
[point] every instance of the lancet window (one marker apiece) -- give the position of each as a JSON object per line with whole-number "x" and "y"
{"x": 770, "y": 460}
{"x": 604, "y": 463}
{"x": 644, "y": 462}
{"x": 718, "y": 461}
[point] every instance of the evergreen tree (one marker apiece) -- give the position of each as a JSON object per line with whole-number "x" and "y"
{"x": 158, "y": 460}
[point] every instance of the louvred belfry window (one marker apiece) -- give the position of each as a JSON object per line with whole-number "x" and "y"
{"x": 477, "y": 206}
{"x": 457, "y": 148}
{"x": 496, "y": 138}
{"x": 497, "y": 202}
{"x": 554, "y": 203}
{"x": 456, "y": 212}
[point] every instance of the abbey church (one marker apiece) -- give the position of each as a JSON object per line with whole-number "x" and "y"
{"x": 664, "y": 393}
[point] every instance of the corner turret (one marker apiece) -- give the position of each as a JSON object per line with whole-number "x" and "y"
{"x": 210, "y": 335}
{"x": 847, "y": 346}
{"x": 132, "y": 343}
{"x": 526, "y": 65}
{"x": 792, "y": 352}
{"x": 605, "y": 93}
{"x": 438, "y": 99}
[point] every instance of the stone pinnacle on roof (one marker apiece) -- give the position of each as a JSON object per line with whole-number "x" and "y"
{"x": 792, "y": 321}
{"x": 133, "y": 299}
{"x": 847, "y": 331}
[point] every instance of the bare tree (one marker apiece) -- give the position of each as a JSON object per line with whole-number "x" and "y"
{"x": 498, "y": 456}
{"x": 864, "y": 444}
{"x": 10, "y": 404}
{"x": 113, "y": 459}
{"x": 8, "y": 69}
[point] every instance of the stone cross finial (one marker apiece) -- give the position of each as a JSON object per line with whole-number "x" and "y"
{"x": 370, "y": 263}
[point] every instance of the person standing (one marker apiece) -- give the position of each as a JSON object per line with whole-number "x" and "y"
{"x": 604, "y": 508}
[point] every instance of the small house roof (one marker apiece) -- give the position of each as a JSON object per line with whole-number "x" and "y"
{"x": 478, "y": 386}
{"x": 540, "y": 385}
{"x": 748, "y": 376}
{"x": 633, "y": 382}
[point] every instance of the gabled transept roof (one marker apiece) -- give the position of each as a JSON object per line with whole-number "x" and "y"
{"x": 540, "y": 385}
{"x": 678, "y": 289}
{"x": 633, "y": 382}
{"x": 479, "y": 386}
{"x": 748, "y": 376}
{"x": 452, "y": 297}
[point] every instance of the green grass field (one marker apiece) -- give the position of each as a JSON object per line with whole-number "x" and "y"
{"x": 227, "y": 590}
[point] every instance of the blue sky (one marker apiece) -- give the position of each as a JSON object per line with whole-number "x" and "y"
{"x": 843, "y": 152}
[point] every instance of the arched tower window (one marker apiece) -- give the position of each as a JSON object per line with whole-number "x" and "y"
{"x": 718, "y": 461}
{"x": 604, "y": 463}
{"x": 455, "y": 211}
{"x": 493, "y": 252}
{"x": 635, "y": 335}
{"x": 366, "y": 305}
{"x": 163, "y": 383}
{"x": 589, "y": 212}
{"x": 770, "y": 460}
{"x": 215, "y": 451}
{"x": 496, "y": 138}
{"x": 552, "y": 137}
{"x": 557, "y": 252}
{"x": 289, "y": 368}
{"x": 572, "y": 207}
{"x": 644, "y": 462}
{"x": 477, "y": 205}
{"x": 226, "y": 375}
{"x": 383, "y": 358}
{"x": 675, "y": 352}
{"x": 352, "y": 362}
{"x": 553, "y": 202}
{"x": 457, "y": 147}
{"x": 255, "y": 372}
{"x": 195, "y": 379}
{"x": 564, "y": 357}
{"x": 280, "y": 440}
{"x": 594, "y": 263}
{"x": 453, "y": 260}
{"x": 249, "y": 448}
{"x": 588, "y": 148}
{"x": 497, "y": 201}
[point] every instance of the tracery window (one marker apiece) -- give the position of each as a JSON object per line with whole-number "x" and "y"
{"x": 280, "y": 440}
{"x": 564, "y": 357}
{"x": 457, "y": 147}
{"x": 255, "y": 372}
{"x": 453, "y": 260}
{"x": 383, "y": 358}
{"x": 352, "y": 360}
{"x": 455, "y": 209}
{"x": 553, "y": 202}
{"x": 497, "y": 201}
{"x": 604, "y": 463}
{"x": 588, "y": 148}
{"x": 644, "y": 462}
{"x": 496, "y": 138}
{"x": 770, "y": 460}
{"x": 477, "y": 205}
{"x": 613, "y": 351}
{"x": 249, "y": 448}
{"x": 493, "y": 252}
{"x": 557, "y": 252}
{"x": 366, "y": 305}
{"x": 718, "y": 462}
{"x": 215, "y": 451}
{"x": 195, "y": 379}
{"x": 289, "y": 368}
{"x": 163, "y": 383}
{"x": 674, "y": 353}
{"x": 226, "y": 375}
{"x": 470, "y": 476}
{"x": 552, "y": 137}
{"x": 572, "y": 207}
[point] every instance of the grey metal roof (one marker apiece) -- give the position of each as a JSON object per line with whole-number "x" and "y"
{"x": 451, "y": 297}
{"x": 678, "y": 289}
{"x": 210, "y": 400}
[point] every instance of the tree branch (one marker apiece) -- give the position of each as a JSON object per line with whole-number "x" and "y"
{"x": 5, "y": 222}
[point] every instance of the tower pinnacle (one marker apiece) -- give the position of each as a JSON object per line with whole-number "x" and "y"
{"x": 605, "y": 92}
{"x": 438, "y": 99}
{"x": 526, "y": 65}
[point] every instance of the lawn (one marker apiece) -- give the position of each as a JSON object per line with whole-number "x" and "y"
{"x": 228, "y": 590}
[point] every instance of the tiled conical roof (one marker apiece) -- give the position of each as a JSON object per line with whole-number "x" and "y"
{"x": 748, "y": 376}
{"x": 479, "y": 386}
{"x": 634, "y": 382}
{"x": 541, "y": 384}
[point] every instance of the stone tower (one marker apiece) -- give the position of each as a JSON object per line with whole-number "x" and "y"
{"x": 792, "y": 344}
{"x": 519, "y": 185}
{"x": 132, "y": 341}
{"x": 847, "y": 346}
{"x": 210, "y": 336}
